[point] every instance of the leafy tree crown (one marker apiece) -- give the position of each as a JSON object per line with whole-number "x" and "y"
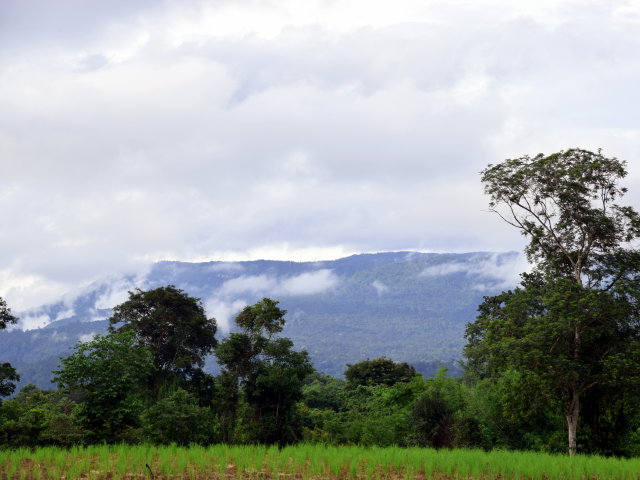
{"x": 566, "y": 203}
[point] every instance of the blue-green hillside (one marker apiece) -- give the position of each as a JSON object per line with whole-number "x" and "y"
{"x": 408, "y": 306}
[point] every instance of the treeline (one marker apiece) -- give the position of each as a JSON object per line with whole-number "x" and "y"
{"x": 143, "y": 383}
{"x": 552, "y": 365}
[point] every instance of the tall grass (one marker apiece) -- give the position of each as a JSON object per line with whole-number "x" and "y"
{"x": 304, "y": 462}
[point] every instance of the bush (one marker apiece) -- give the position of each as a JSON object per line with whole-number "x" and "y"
{"x": 177, "y": 418}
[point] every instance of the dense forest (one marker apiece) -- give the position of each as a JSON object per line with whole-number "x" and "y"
{"x": 552, "y": 365}
{"x": 409, "y": 306}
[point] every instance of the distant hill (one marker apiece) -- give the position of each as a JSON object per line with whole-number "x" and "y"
{"x": 407, "y": 306}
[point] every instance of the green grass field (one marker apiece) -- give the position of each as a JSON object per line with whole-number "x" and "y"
{"x": 302, "y": 462}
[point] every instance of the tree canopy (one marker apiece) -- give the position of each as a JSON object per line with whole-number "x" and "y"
{"x": 269, "y": 370}
{"x": 573, "y": 323}
{"x": 379, "y": 371}
{"x": 566, "y": 204}
{"x": 8, "y": 374}
{"x": 108, "y": 375}
{"x": 172, "y": 325}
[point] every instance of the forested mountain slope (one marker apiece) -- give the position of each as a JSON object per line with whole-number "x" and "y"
{"x": 408, "y": 306}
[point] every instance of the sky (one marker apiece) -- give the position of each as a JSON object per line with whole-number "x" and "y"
{"x": 133, "y": 131}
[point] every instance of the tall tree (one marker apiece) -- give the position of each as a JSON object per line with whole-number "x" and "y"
{"x": 8, "y": 374}
{"x": 557, "y": 325}
{"x": 269, "y": 370}
{"x": 531, "y": 330}
{"x": 566, "y": 204}
{"x": 172, "y": 325}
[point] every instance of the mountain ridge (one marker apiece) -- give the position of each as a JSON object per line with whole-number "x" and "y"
{"x": 408, "y": 306}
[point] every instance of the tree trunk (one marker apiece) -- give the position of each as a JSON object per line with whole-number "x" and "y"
{"x": 573, "y": 412}
{"x": 573, "y": 408}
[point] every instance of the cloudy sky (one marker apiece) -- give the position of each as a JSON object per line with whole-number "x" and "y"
{"x": 140, "y": 130}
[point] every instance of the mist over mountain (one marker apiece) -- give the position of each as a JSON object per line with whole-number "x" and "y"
{"x": 407, "y": 306}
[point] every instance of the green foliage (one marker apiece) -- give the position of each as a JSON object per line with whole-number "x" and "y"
{"x": 379, "y": 371}
{"x": 433, "y": 415}
{"x": 566, "y": 204}
{"x": 263, "y": 318}
{"x": 572, "y": 327}
{"x": 611, "y": 421}
{"x": 269, "y": 370}
{"x": 227, "y": 401}
{"x": 531, "y": 331}
{"x": 504, "y": 416}
{"x": 324, "y": 392}
{"x": 38, "y": 417}
{"x": 417, "y": 319}
{"x": 365, "y": 415}
{"x": 8, "y": 377}
{"x": 8, "y": 374}
{"x": 171, "y": 325}
{"x": 108, "y": 377}
{"x": 305, "y": 462}
{"x": 202, "y": 386}
{"x": 177, "y": 418}
{"x": 426, "y": 412}
{"x": 379, "y": 415}
{"x": 276, "y": 388}
{"x": 433, "y": 421}
{"x": 6, "y": 318}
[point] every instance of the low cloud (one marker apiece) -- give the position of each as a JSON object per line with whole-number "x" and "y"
{"x": 308, "y": 283}
{"x": 65, "y": 314}
{"x": 379, "y": 287}
{"x": 93, "y": 315}
{"x": 86, "y": 337}
{"x": 113, "y": 296}
{"x": 354, "y": 111}
{"x": 58, "y": 337}
{"x": 116, "y": 289}
{"x": 444, "y": 269}
{"x": 236, "y": 293}
{"x": 30, "y": 322}
{"x": 223, "y": 311}
{"x": 495, "y": 271}
{"x": 226, "y": 267}
{"x": 248, "y": 284}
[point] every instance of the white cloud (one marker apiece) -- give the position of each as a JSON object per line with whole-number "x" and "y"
{"x": 285, "y": 251}
{"x": 236, "y": 293}
{"x": 30, "y": 322}
{"x": 248, "y": 284}
{"x": 86, "y": 337}
{"x": 379, "y": 287}
{"x": 443, "y": 269}
{"x": 117, "y": 291}
{"x": 226, "y": 267}
{"x": 23, "y": 291}
{"x": 96, "y": 318}
{"x": 223, "y": 311}
{"x": 308, "y": 283}
{"x": 58, "y": 337}
{"x": 65, "y": 314}
{"x": 496, "y": 270}
{"x": 135, "y": 131}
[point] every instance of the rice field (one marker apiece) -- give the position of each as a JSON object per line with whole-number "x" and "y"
{"x": 302, "y": 462}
